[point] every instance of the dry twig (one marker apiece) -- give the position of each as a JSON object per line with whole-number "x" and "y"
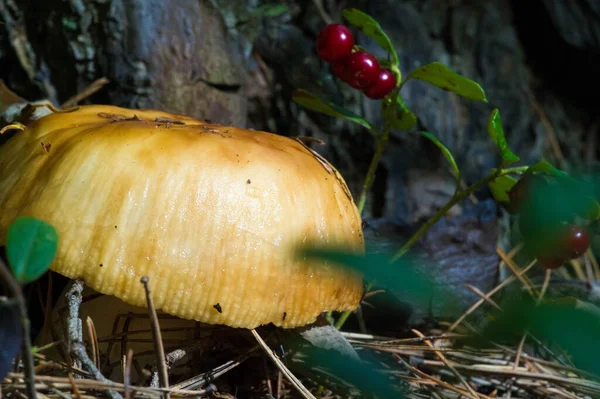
{"x": 291, "y": 377}
{"x": 489, "y": 294}
{"x": 439, "y": 354}
{"x": 93, "y": 341}
{"x": 158, "y": 342}
{"x": 47, "y": 382}
{"x": 85, "y": 93}
{"x": 77, "y": 349}
{"x": 517, "y": 272}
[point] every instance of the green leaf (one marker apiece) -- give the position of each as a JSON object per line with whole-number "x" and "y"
{"x": 31, "y": 247}
{"x": 445, "y": 151}
{"x": 500, "y": 186}
{"x": 592, "y": 208}
{"x": 580, "y": 195}
{"x": 496, "y": 132}
{"x": 370, "y": 27}
{"x": 309, "y": 101}
{"x": 546, "y": 167}
{"x": 443, "y": 77}
{"x": 401, "y": 116}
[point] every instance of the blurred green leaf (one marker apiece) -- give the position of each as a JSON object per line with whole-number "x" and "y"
{"x": 445, "y": 151}
{"x": 500, "y": 186}
{"x": 574, "y": 197}
{"x": 401, "y": 116}
{"x": 496, "y": 132}
{"x": 270, "y": 10}
{"x": 572, "y": 324}
{"x": 592, "y": 209}
{"x": 545, "y": 167}
{"x": 31, "y": 246}
{"x": 556, "y": 188}
{"x": 581, "y": 193}
{"x": 360, "y": 374}
{"x": 553, "y": 202}
{"x": 404, "y": 277}
{"x": 370, "y": 27}
{"x": 11, "y": 336}
{"x": 443, "y": 77}
{"x": 579, "y": 198}
{"x": 309, "y": 101}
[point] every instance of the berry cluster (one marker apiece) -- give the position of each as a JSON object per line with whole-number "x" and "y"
{"x": 358, "y": 69}
{"x": 548, "y": 220}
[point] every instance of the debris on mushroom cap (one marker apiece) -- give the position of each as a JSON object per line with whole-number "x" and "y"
{"x": 212, "y": 214}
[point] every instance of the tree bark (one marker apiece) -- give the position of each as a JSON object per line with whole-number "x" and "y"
{"x": 172, "y": 55}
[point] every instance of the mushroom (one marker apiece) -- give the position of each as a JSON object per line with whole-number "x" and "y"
{"x": 211, "y": 214}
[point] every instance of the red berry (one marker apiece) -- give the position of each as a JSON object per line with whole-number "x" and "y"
{"x": 334, "y": 42}
{"x": 362, "y": 70}
{"x": 575, "y": 241}
{"x": 550, "y": 261}
{"x": 340, "y": 69}
{"x": 519, "y": 193}
{"x": 384, "y": 84}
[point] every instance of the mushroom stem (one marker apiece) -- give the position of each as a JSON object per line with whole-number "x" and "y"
{"x": 77, "y": 349}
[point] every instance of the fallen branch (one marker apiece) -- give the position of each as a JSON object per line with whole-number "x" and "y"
{"x": 77, "y": 349}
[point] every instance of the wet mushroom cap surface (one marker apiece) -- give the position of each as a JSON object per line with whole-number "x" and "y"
{"x": 211, "y": 214}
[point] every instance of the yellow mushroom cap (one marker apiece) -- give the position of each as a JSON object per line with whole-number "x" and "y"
{"x": 211, "y": 214}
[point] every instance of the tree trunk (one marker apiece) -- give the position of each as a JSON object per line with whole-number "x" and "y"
{"x": 172, "y": 55}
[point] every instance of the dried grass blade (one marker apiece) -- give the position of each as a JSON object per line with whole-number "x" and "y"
{"x": 291, "y": 377}
{"x": 517, "y": 272}
{"x": 489, "y": 294}
{"x": 156, "y": 336}
{"x": 93, "y": 341}
{"x": 438, "y": 381}
{"x": 75, "y": 389}
{"x": 439, "y": 354}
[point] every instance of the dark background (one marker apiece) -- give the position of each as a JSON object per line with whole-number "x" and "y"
{"x": 225, "y": 61}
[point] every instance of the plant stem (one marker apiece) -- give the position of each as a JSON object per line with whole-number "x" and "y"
{"x": 381, "y": 141}
{"x": 343, "y": 317}
{"x": 518, "y": 170}
{"x": 380, "y": 146}
{"x": 15, "y": 289}
{"x": 442, "y": 211}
